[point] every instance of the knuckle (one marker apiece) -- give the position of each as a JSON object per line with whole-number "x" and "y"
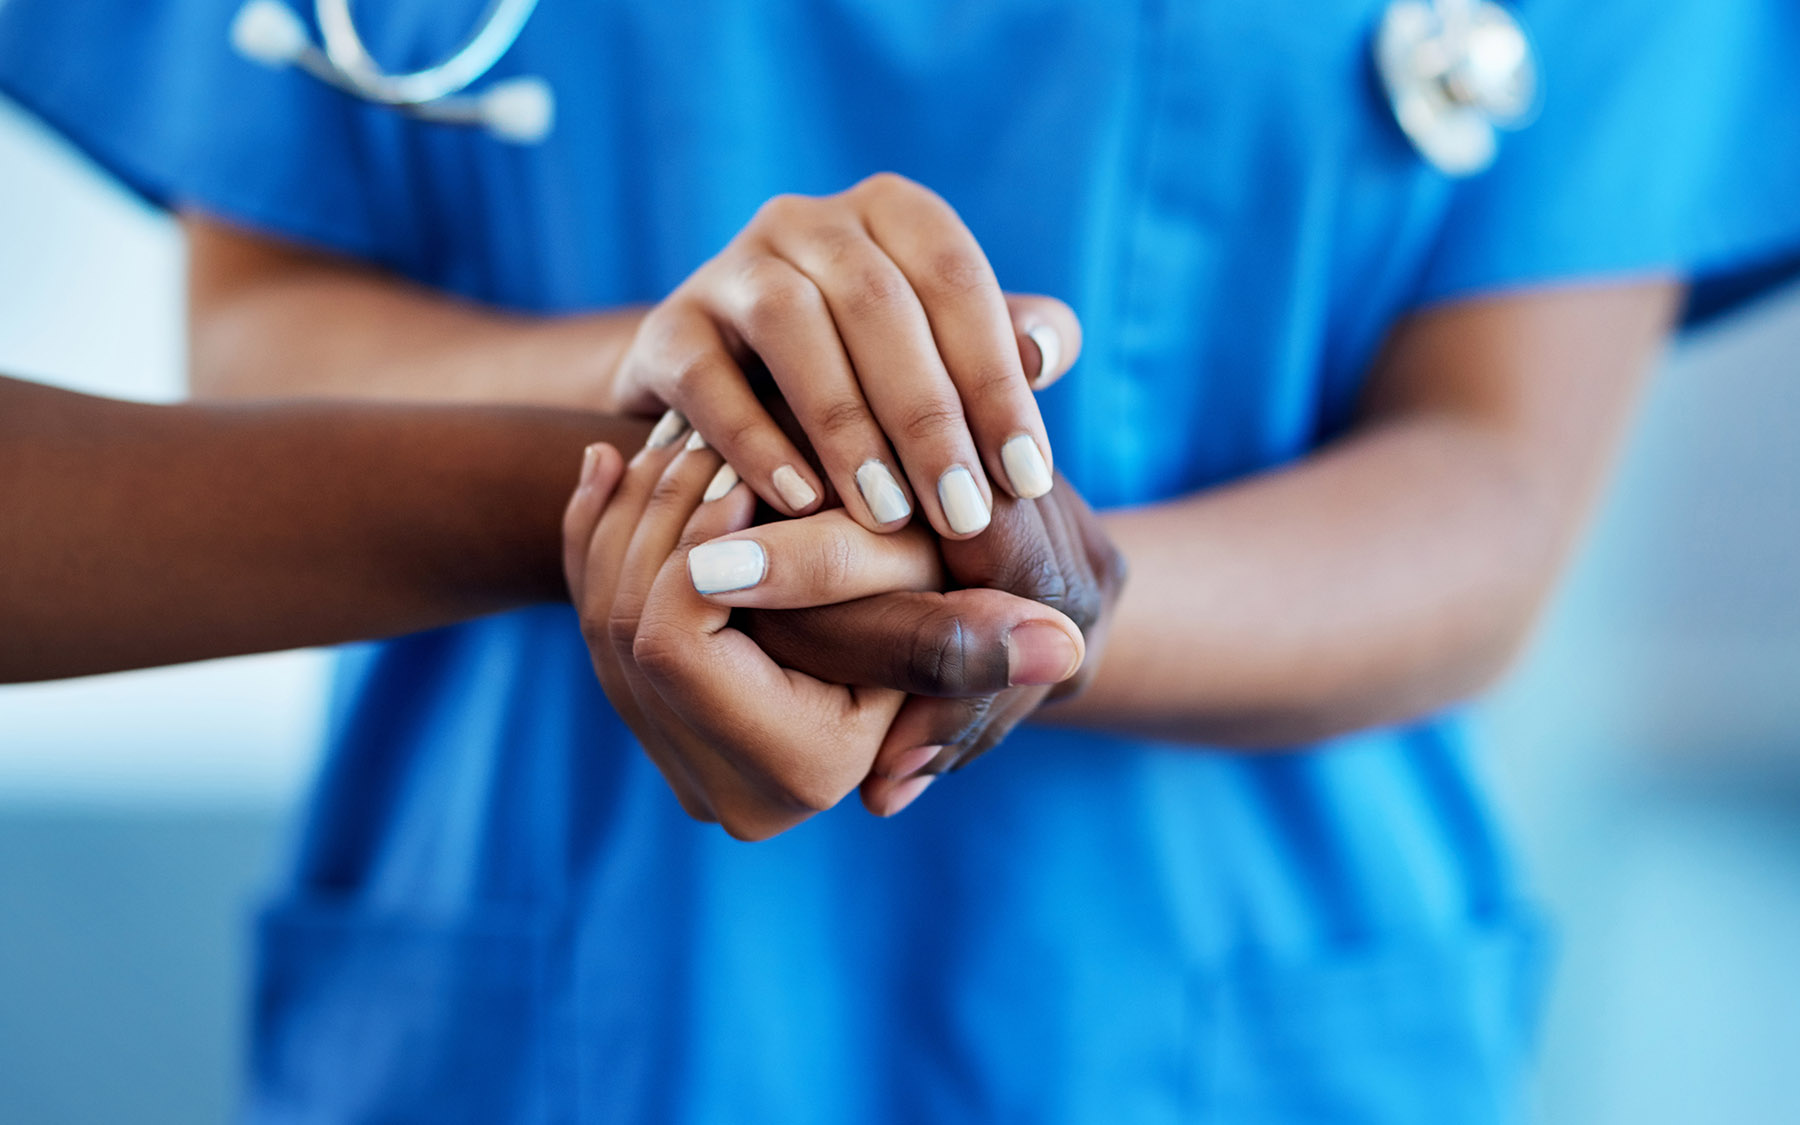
{"x": 1036, "y": 574}
{"x": 837, "y": 244}
{"x": 620, "y": 630}
{"x": 839, "y": 418}
{"x": 886, "y": 184}
{"x": 875, "y": 292}
{"x": 656, "y": 649}
{"x": 809, "y": 796}
{"x": 1082, "y": 604}
{"x": 957, "y": 273}
{"x": 778, "y": 296}
{"x": 779, "y": 210}
{"x": 667, "y": 491}
{"x": 992, "y": 380}
{"x": 835, "y": 564}
{"x": 739, "y": 434}
{"x": 938, "y": 657}
{"x": 744, "y": 828}
{"x": 693, "y": 375}
{"x": 596, "y": 631}
{"x": 932, "y": 418}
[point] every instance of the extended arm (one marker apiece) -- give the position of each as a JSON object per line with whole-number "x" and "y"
{"x": 133, "y": 535}
{"x": 1398, "y": 570}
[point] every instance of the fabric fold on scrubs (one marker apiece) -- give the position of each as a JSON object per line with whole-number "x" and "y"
{"x": 496, "y": 910}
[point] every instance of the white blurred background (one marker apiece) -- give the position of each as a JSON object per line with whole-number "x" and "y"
{"x": 1648, "y": 750}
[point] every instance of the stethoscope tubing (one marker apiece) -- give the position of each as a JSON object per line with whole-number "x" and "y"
{"x": 359, "y": 73}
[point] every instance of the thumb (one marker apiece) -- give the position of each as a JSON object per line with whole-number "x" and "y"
{"x": 963, "y": 643}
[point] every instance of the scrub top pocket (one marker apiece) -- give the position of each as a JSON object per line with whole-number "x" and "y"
{"x": 365, "y": 1016}
{"x": 1431, "y": 1032}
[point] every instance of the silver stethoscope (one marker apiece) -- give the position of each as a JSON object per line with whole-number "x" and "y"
{"x": 521, "y": 110}
{"x": 1455, "y": 72}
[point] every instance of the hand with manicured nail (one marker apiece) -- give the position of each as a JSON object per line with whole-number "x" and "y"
{"x": 740, "y": 740}
{"x": 879, "y": 320}
{"x": 1025, "y": 628}
{"x": 758, "y": 744}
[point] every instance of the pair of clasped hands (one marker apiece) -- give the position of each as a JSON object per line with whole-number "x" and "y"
{"x": 766, "y": 608}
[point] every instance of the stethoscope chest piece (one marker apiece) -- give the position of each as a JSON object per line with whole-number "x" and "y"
{"x": 1456, "y": 72}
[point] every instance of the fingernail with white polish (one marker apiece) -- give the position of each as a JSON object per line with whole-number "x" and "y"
{"x": 725, "y": 565}
{"x": 1049, "y": 346}
{"x": 964, "y": 508}
{"x": 723, "y": 481}
{"x": 695, "y": 442}
{"x": 882, "y": 493}
{"x": 1025, "y": 467}
{"x": 794, "y": 490}
{"x": 667, "y": 429}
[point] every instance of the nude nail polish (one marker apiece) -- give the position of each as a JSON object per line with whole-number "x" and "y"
{"x": 1025, "y": 467}
{"x": 965, "y": 510}
{"x": 794, "y": 490}
{"x": 882, "y": 493}
{"x": 729, "y": 564}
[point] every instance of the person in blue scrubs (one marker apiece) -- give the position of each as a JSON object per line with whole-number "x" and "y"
{"x": 1341, "y": 413}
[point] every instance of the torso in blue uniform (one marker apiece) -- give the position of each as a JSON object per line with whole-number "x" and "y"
{"x": 498, "y": 912}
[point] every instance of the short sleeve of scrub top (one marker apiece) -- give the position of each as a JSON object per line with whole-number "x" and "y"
{"x": 495, "y": 911}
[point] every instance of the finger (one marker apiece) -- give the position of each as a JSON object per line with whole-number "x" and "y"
{"x": 1048, "y": 334}
{"x": 963, "y": 643}
{"x": 1079, "y": 594}
{"x": 972, "y": 329}
{"x": 601, "y": 468}
{"x": 781, "y": 746}
{"x": 819, "y": 560}
{"x": 597, "y": 557}
{"x": 1016, "y": 555}
{"x": 705, "y": 381}
{"x": 926, "y": 729}
{"x": 781, "y": 316}
{"x": 689, "y": 476}
{"x": 888, "y": 337}
{"x": 612, "y": 535}
{"x": 691, "y": 766}
{"x": 899, "y": 778}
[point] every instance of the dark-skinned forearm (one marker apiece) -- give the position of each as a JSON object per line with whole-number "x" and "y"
{"x": 133, "y": 535}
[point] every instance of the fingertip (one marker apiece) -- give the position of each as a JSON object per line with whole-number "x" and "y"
{"x": 1043, "y": 651}
{"x": 892, "y": 799}
{"x": 1049, "y": 338}
{"x": 602, "y": 467}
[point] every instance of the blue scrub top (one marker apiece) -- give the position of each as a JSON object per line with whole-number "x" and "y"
{"x": 497, "y": 912}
